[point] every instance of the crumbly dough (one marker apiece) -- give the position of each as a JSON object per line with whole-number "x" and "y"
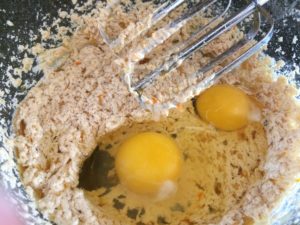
{"x": 61, "y": 120}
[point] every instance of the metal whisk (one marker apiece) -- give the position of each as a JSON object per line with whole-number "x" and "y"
{"x": 258, "y": 34}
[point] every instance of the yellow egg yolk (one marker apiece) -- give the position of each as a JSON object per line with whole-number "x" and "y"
{"x": 224, "y": 106}
{"x": 148, "y": 163}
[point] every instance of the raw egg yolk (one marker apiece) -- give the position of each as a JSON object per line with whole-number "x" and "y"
{"x": 149, "y": 163}
{"x": 224, "y": 106}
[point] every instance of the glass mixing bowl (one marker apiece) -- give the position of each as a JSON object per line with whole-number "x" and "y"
{"x": 19, "y": 23}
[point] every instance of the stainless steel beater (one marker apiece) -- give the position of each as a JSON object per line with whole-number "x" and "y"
{"x": 259, "y": 33}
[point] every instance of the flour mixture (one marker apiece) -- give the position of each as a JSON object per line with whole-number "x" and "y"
{"x": 81, "y": 111}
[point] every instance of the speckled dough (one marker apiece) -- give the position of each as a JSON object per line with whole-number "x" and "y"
{"x": 59, "y": 123}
